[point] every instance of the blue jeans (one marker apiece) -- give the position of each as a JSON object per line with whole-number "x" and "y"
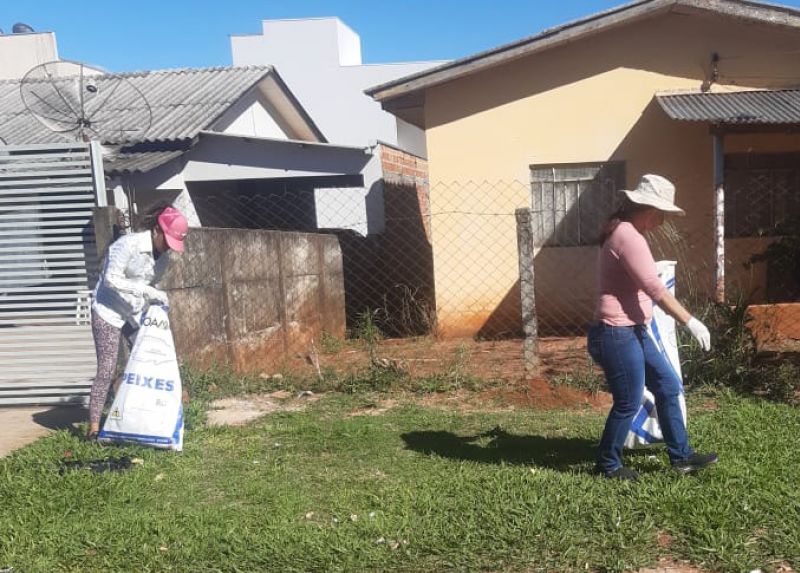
{"x": 631, "y": 360}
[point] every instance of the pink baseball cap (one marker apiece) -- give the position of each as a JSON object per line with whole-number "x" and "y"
{"x": 175, "y": 226}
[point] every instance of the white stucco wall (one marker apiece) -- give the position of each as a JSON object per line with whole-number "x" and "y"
{"x": 21, "y": 52}
{"x": 250, "y": 117}
{"x": 320, "y": 60}
{"x": 349, "y": 44}
{"x": 359, "y": 209}
{"x": 411, "y": 138}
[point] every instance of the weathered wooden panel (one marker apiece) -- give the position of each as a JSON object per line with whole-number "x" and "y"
{"x": 572, "y": 200}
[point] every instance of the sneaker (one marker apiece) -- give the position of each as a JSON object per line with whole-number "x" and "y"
{"x": 695, "y": 462}
{"x": 621, "y": 473}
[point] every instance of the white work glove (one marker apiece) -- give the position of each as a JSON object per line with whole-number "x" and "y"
{"x": 700, "y": 333}
{"x": 155, "y": 295}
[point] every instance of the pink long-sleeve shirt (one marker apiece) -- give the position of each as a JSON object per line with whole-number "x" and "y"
{"x": 627, "y": 279}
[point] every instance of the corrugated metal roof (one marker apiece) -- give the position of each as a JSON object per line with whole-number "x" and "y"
{"x": 746, "y": 107}
{"x": 183, "y": 102}
{"x": 143, "y": 161}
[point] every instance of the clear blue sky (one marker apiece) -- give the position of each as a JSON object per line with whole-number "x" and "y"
{"x": 154, "y": 34}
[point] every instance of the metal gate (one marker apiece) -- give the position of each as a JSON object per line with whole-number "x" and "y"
{"x": 48, "y": 264}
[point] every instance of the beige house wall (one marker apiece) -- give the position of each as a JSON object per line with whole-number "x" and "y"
{"x": 588, "y": 101}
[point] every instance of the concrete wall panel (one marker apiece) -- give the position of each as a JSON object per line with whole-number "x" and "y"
{"x": 252, "y": 299}
{"x": 253, "y": 256}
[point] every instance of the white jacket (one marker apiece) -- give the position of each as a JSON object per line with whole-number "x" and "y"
{"x": 124, "y": 286}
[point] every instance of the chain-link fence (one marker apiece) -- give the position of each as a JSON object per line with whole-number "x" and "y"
{"x": 738, "y": 272}
{"x": 430, "y": 278}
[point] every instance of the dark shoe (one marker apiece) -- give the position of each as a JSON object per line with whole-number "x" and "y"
{"x": 622, "y": 473}
{"x": 91, "y": 436}
{"x": 695, "y": 462}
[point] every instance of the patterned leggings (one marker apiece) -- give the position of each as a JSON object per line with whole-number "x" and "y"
{"x": 106, "y": 344}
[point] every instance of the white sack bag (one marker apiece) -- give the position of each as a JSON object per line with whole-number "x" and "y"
{"x": 645, "y": 429}
{"x": 148, "y": 408}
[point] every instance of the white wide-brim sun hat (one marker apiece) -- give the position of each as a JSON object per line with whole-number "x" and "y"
{"x": 655, "y": 191}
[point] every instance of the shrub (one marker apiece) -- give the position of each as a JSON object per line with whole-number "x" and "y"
{"x": 779, "y": 382}
{"x": 734, "y": 349}
{"x": 734, "y": 361}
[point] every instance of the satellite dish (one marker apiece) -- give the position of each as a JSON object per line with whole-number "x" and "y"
{"x": 82, "y": 103}
{"x": 21, "y": 28}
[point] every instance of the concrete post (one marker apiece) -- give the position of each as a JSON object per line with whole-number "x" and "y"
{"x": 98, "y": 175}
{"x": 719, "y": 217}
{"x": 525, "y": 249}
{"x": 105, "y": 220}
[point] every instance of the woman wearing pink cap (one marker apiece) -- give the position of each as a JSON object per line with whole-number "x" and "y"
{"x": 133, "y": 264}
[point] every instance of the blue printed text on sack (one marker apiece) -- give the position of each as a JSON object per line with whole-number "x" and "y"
{"x": 148, "y": 382}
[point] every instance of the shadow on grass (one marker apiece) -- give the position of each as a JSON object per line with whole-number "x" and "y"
{"x": 555, "y": 453}
{"x": 502, "y": 447}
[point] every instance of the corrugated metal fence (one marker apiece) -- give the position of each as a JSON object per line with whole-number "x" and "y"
{"x": 48, "y": 263}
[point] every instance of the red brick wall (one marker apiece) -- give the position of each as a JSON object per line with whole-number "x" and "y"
{"x": 405, "y": 170}
{"x": 393, "y": 271}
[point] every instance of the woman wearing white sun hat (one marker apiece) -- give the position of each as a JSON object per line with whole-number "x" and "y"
{"x": 628, "y": 284}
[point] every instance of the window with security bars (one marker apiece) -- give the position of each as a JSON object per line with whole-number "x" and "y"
{"x": 570, "y": 201}
{"x": 762, "y": 194}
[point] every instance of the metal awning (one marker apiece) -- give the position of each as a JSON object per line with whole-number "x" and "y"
{"x": 761, "y": 111}
{"x": 138, "y": 161}
{"x": 762, "y": 107}
{"x": 220, "y": 156}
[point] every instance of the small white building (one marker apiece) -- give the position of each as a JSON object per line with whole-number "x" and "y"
{"x": 21, "y": 51}
{"x": 320, "y": 60}
{"x": 25, "y": 48}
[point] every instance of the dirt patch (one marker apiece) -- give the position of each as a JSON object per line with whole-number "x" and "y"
{"x": 376, "y": 409}
{"x": 540, "y": 394}
{"x": 241, "y": 410}
{"x": 664, "y": 539}
{"x": 537, "y": 394}
{"x": 426, "y": 356}
{"x": 709, "y": 404}
{"x": 498, "y": 363}
{"x": 461, "y": 401}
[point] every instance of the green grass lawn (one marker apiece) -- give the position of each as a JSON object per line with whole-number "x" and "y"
{"x": 412, "y": 489}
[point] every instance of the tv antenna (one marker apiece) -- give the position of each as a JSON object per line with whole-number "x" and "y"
{"x": 83, "y": 103}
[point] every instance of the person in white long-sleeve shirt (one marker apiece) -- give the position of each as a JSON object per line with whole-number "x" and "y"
{"x": 134, "y": 263}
